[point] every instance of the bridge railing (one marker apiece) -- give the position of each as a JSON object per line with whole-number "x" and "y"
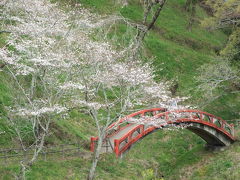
{"x": 142, "y": 113}
{"x": 200, "y": 116}
{"x": 123, "y": 123}
{"x": 122, "y": 144}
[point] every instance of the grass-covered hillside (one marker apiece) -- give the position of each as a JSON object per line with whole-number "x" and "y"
{"x": 176, "y": 54}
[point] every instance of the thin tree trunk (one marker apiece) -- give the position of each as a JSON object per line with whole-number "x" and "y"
{"x": 147, "y": 8}
{"x": 156, "y": 15}
{"x": 22, "y": 175}
{"x": 37, "y": 150}
{"x": 95, "y": 159}
{"x": 142, "y": 33}
{"x": 188, "y": 4}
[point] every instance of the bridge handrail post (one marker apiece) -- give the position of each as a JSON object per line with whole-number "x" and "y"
{"x": 130, "y": 137}
{"x": 142, "y": 129}
{"x": 92, "y": 145}
{"x": 116, "y": 147}
{"x": 232, "y": 129}
{"x": 201, "y": 116}
{"x": 211, "y": 119}
{"x": 166, "y": 116}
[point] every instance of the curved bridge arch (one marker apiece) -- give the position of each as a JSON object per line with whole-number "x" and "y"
{"x": 128, "y": 130}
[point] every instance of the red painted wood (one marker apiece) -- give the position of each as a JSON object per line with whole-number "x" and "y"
{"x": 164, "y": 115}
{"x": 93, "y": 139}
{"x": 93, "y": 142}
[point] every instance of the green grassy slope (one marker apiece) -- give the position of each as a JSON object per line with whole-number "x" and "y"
{"x": 163, "y": 154}
{"x": 172, "y": 154}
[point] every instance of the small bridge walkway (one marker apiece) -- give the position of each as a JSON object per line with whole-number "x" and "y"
{"x": 128, "y": 130}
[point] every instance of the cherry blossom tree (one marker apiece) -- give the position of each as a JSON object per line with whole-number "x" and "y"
{"x": 111, "y": 88}
{"x": 56, "y": 66}
{"x": 116, "y": 82}
{"x": 41, "y": 54}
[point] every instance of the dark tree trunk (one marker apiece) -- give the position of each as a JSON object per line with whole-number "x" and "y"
{"x": 142, "y": 33}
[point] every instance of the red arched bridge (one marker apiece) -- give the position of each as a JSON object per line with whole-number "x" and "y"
{"x": 125, "y": 132}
